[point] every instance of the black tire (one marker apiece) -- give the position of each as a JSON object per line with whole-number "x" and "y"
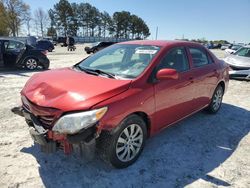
{"x": 108, "y": 144}
{"x": 31, "y": 63}
{"x": 216, "y": 100}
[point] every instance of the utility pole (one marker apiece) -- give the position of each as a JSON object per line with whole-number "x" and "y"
{"x": 156, "y": 35}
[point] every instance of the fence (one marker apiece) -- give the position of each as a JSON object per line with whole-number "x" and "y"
{"x": 80, "y": 39}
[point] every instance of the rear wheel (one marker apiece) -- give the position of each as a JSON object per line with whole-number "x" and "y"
{"x": 125, "y": 146}
{"x": 216, "y": 100}
{"x": 31, "y": 63}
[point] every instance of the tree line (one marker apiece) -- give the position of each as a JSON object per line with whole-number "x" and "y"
{"x": 75, "y": 19}
{"x": 87, "y": 20}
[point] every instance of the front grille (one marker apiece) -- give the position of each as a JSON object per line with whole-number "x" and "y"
{"x": 47, "y": 120}
{"x": 47, "y": 116}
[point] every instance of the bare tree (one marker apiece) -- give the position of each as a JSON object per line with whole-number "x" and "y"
{"x": 41, "y": 18}
{"x": 27, "y": 20}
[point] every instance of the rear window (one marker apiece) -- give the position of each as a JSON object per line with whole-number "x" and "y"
{"x": 199, "y": 57}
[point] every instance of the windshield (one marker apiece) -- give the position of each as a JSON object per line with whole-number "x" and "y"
{"x": 245, "y": 52}
{"x": 121, "y": 60}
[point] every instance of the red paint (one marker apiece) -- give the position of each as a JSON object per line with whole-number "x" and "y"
{"x": 167, "y": 74}
{"x": 164, "y": 102}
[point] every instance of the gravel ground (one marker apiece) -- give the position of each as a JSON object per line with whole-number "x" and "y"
{"x": 201, "y": 151}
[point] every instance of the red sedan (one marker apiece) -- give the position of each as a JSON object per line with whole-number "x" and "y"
{"x": 121, "y": 95}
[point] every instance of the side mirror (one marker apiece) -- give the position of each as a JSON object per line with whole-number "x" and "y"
{"x": 164, "y": 74}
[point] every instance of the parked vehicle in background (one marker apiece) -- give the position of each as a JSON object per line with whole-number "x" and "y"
{"x": 217, "y": 46}
{"x": 97, "y": 46}
{"x": 240, "y": 74}
{"x": 225, "y": 46}
{"x": 233, "y": 49}
{"x": 239, "y": 63}
{"x": 127, "y": 92}
{"x": 209, "y": 45}
{"x": 45, "y": 45}
{"x": 63, "y": 41}
{"x": 20, "y": 55}
{"x": 240, "y": 60}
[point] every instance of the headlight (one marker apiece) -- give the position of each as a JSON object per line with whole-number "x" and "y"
{"x": 73, "y": 123}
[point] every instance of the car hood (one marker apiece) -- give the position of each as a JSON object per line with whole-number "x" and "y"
{"x": 238, "y": 61}
{"x": 68, "y": 89}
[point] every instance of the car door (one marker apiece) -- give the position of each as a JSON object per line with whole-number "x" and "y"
{"x": 174, "y": 98}
{"x": 206, "y": 76}
{"x": 11, "y": 51}
{"x": 1, "y": 55}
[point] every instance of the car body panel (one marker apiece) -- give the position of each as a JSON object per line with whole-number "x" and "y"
{"x": 77, "y": 90}
{"x": 238, "y": 62}
{"x": 240, "y": 74}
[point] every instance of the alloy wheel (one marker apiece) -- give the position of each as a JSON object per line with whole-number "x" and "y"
{"x": 31, "y": 64}
{"x": 129, "y": 143}
{"x": 217, "y": 99}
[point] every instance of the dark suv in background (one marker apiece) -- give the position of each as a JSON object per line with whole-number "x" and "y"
{"x": 20, "y": 55}
{"x": 45, "y": 44}
{"x": 97, "y": 46}
{"x": 63, "y": 43}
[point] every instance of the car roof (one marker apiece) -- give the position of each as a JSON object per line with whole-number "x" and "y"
{"x": 7, "y": 39}
{"x": 161, "y": 43}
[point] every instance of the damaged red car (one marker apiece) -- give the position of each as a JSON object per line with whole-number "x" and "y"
{"x": 117, "y": 98}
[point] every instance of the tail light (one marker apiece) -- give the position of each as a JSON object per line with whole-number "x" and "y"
{"x": 45, "y": 52}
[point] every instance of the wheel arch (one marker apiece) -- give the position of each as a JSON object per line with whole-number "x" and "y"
{"x": 222, "y": 84}
{"x": 146, "y": 119}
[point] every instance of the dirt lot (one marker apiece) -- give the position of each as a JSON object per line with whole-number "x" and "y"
{"x": 201, "y": 151}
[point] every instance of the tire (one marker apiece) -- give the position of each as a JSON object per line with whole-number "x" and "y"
{"x": 31, "y": 63}
{"x": 124, "y": 146}
{"x": 50, "y": 49}
{"x": 216, "y": 100}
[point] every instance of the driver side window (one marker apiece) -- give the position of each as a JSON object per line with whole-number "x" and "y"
{"x": 176, "y": 59}
{"x": 13, "y": 45}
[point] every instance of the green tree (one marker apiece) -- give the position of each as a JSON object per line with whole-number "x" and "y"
{"x": 64, "y": 16}
{"x": 51, "y": 32}
{"x": 16, "y": 11}
{"x": 4, "y": 28}
{"x": 106, "y": 22}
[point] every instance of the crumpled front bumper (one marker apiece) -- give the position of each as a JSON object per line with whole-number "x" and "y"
{"x": 51, "y": 141}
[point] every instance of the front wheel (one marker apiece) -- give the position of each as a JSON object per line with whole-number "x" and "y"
{"x": 216, "y": 100}
{"x": 31, "y": 63}
{"x": 125, "y": 146}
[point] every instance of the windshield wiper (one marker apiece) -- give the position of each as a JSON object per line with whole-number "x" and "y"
{"x": 104, "y": 72}
{"x": 95, "y": 71}
{"x": 89, "y": 71}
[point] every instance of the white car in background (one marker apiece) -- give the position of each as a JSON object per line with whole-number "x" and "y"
{"x": 239, "y": 63}
{"x": 233, "y": 49}
{"x": 225, "y": 46}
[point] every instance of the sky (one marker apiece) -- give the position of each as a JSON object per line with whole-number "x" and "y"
{"x": 192, "y": 19}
